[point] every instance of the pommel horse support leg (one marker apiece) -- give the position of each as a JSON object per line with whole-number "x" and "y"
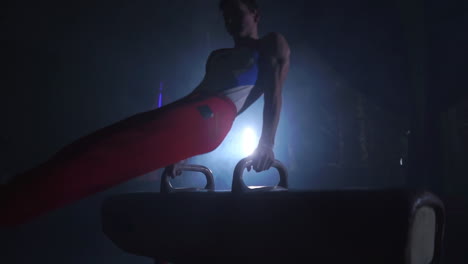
{"x": 277, "y": 225}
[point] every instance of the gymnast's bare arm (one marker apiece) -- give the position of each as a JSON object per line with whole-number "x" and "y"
{"x": 273, "y": 69}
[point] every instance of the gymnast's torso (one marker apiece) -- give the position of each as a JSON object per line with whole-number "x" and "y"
{"x": 233, "y": 73}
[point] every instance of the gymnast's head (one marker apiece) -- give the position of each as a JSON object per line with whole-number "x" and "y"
{"x": 241, "y": 18}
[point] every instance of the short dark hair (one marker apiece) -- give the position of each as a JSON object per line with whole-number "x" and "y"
{"x": 251, "y": 4}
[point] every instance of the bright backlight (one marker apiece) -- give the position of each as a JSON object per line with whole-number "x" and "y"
{"x": 249, "y": 141}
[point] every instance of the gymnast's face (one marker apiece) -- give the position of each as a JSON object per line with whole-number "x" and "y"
{"x": 239, "y": 20}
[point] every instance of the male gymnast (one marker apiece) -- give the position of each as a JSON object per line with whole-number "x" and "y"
{"x": 196, "y": 124}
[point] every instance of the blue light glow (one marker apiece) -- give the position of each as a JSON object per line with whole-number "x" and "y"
{"x": 160, "y": 94}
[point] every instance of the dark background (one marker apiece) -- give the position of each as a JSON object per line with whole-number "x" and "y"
{"x": 375, "y": 98}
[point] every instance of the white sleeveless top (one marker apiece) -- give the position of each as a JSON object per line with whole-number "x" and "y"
{"x": 233, "y": 73}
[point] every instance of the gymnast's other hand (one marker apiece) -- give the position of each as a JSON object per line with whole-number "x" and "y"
{"x": 263, "y": 158}
{"x": 174, "y": 170}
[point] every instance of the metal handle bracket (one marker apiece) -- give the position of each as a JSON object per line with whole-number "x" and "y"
{"x": 166, "y": 186}
{"x": 238, "y": 185}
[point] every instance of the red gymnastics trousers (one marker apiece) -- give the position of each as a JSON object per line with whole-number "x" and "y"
{"x": 130, "y": 148}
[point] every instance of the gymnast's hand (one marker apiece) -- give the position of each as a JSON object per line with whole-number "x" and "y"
{"x": 263, "y": 158}
{"x": 173, "y": 170}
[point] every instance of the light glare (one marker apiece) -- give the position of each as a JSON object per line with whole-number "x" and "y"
{"x": 249, "y": 141}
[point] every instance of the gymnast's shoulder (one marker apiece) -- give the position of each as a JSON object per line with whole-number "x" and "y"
{"x": 274, "y": 44}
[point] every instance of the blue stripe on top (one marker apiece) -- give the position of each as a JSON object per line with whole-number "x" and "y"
{"x": 249, "y": 77}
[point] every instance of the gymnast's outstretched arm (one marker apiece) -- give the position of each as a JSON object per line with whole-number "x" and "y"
{"x": 274, "y": 67}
